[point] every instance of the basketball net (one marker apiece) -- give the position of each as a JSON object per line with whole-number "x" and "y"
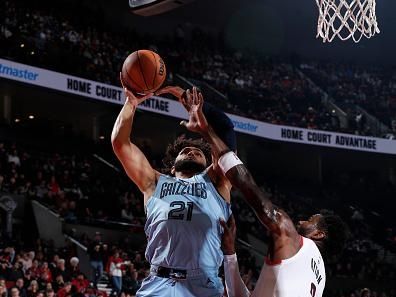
{"x": 346, "y": 19}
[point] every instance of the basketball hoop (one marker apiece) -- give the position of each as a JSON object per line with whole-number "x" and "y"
{"x": 346, "y": 19}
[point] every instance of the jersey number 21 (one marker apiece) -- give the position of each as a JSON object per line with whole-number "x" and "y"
{"x": 177, "y": 211}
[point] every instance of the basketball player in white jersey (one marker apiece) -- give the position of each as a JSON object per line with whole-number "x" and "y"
{"x": 183, "y": 211}
{"x": 294, "y": 266}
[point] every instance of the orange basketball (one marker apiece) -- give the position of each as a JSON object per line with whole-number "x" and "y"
{"x": 143, "y": 72}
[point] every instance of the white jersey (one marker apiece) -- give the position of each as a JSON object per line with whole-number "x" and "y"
{"x": 302, "y": 275}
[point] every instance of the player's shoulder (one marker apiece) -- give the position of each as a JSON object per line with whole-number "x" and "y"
{"x": 310, "y": 246}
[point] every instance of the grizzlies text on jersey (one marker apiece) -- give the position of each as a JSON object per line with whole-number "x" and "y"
{"x": 182, "y": 225}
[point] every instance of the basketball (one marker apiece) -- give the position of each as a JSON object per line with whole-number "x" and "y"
{"x": 143, "y": 72}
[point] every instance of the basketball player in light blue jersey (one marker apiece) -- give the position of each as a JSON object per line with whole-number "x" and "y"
{"x": 183, "y": 212}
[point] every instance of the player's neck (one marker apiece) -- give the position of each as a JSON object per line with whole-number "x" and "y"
{"x": 185, "y": 174}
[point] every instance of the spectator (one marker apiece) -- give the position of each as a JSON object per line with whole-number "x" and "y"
{"x": 16, "y": 272}
{"x": 54, "y": 263}
{"x": 126, "y": 213}
{"x": 74, "y": 268}
{"x": 27, "y": 260}
{"x": 80, "y": 283}
{"x": 3, "y": 291}
{"x": 20, "y": 284}
{"x": 95, "y": 252}
{"x": 14, "y": 292}
{"x": 65, "y": 291}
{"x": 130, "y": 283}
{"x": 33, "y": 289}
{"x": 59, "y": 283}
{"x": 13, "y": 158}
{"x": 365, "y": 293}
{"x": 34, "y": 271}
{"x": 62, "y": 270}
{"x": 5, "y": 268}
{"x": 116, "y": 272}
{"x": 49, "y": 293}
{"x": 45, "y": 273}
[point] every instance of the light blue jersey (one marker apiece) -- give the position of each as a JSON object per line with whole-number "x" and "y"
{"x": 182, "y": 225}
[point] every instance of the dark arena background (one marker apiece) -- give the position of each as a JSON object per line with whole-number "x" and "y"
{"x": 315, "y": 123}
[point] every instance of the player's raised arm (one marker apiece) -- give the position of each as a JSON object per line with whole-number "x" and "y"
{"x": 131, "y": 157}
{"x": 236, "y": 172}
{"x": 217, "y": 119}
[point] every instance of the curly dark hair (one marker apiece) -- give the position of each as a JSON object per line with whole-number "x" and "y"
{"x": 337, "y": 233}
{"x": 181, "y": 142}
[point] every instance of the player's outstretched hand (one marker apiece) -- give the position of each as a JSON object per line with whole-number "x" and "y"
{"x": 196, "y": 118}
{"x": 132, "y": 98}
{"x": 228, "y": 238}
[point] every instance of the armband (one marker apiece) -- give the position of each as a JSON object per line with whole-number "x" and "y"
{"x": 228, "y": 161}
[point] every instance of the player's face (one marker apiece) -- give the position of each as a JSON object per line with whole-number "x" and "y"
{"x": 190, "y": 159}
{"x": 309, "y": 228}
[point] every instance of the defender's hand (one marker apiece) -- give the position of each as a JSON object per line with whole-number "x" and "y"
{"x": 228, "y": 238}
{"x": 196, "y": 121}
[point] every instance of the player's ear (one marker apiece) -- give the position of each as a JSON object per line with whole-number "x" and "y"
{"x": 173, "y": 170}
{"x": 318, "y": 235}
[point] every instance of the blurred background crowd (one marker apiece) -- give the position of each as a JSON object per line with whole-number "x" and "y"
{"x": 69, "y": 179}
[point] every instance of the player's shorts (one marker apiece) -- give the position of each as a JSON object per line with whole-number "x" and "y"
{"x": 197, "y": 284}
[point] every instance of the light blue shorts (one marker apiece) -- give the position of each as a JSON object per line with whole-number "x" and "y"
{"x": 202, "y": 285}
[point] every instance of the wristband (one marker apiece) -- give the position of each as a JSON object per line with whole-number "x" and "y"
{"x": 230, "y": 258}
{"x": 228, "y": 161}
